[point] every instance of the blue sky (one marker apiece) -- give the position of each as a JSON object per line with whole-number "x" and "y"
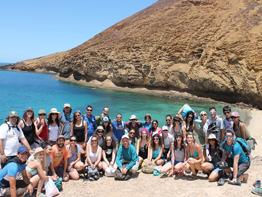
{"x": 34, "y": 28}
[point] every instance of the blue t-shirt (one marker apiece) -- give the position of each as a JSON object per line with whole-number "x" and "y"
{"x": 91, "y": 124}
{"x": 66, "y": 119}
{"x": 147, "y": 126}
{"x": 118, "y": 129}
{"x": 11, "y": 169}
{"x": 243, "y": 158}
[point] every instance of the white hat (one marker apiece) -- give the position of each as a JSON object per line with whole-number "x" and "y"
{"x": 105, "y": 119}
{"x": 211, "y": 136}
{"x": 54, "y": 111}
{"x": 125, "y": 136}
{"x": 133, "y": 117}
{"x": 165, "y": 128}
{"x": 67, "y": 105}
{"x": 100, "y": 128}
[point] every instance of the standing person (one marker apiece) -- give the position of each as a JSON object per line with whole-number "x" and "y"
{"x": 148, "y": 122}
{"x": 28, "y": 127}
{"x": 90, "y": 120}
{"x": 184, "y": 110}
{"x": 239, "y": 127}
{"x": 41, "y": 126}
{"x": 177, "y": 125}
{"x": 109, "y": 156}
{"x": 118, "y": 127}
{"x": 9, "y": 185}
{"x": 132, "y": 137}
{"x": 54, "y": 126}
{"x": 127, "y": 159}
{"x": 227, "y": 122}
{"x": 79, "y": 129}
{"x": 194, "y": 155}
{"x": 212, "y": 157}
{"x": 200, "y": 128}
{"x": 10, "y": 135}
{"x": 177, "y": 163}
{"x": 167, "y": 141}
{"x": 93, "y": 158}
{"x": 169, "y": 124}
{"x": 214, "y": 125}
{"x": 74, "y": 159}
{"x": 155, "y": 129}
{"x": 134, "y": 124}
{"x": 155, "y": 152}
{"x": 105, "y": 113}
{"x": 188, "y": 124}
{"x": 142, "y": 145}
{"x": 100, "y": 136}
{"x": 59, "y": 157}
{"x": 66, "y": 119}
{"x": 236, "y": 158}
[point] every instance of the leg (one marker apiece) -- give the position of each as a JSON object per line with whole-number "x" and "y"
{"x": 160, "y": 162}
{"x": 242, "y": 168}
{"x": 140, "y": 160}
{"x": 214, "y": 176}
{"x": 207, "y": 167}
{"x": 73, "y": 174}
{"x": 179, "y": 168}
{"x": 104, "y": 165}
{"x": 167, "y": 167}
{"x": 79, "y": 165}
{"x": 135, "y": 168}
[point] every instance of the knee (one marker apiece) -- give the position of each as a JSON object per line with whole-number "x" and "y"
{"x": 213, "y": 177}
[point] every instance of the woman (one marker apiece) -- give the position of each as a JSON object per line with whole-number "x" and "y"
{"x": 41, "y": 127}
{"x": 93, "y": 158}
{"x": 109, "y": 156}
{"x": 107, "y": 125}
{"x": 74, "y": 161}
{"x": 54, "y": 126}
{"x": 134, "y": 124}
{"x": 79, "y": 129}
{"x": 143, "y": 144}
{"x": 177, "y": 164}
{"x": 100, "y": 136}
{"x": 188, "y": 125}
{"x": 194, "y": 155}
{"x": 28, "y": 127}
{"x": 177, "y": 125}
{"x": 155, "y": 153}
{"x": 154, "y": 128}
{"x": 212, "y": 156}
{"x": 132, "y": 137}
{"x": 35, "y": 169}
{"x": 148, "y": 122}
{"x": 239, "y": 127}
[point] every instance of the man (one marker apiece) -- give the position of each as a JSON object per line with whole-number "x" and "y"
{"x": 127, "y": 158}
{"x": 169, "y": 124}
{"x": 10, "y": 135}
{"x": 105, "y": 113}
{"x": 66, "y": 119}
{"x": 227, "y": 122}
{"x": 168, "y": 139}
{"x": 134, "y": 124}
{"x": 90, "y": 120}
{"x": 59, "y": 158}
{"x": 200, "y": 134}
{"x": 118, "y": 127}
{"x": 9, "y": 184}
{"x": 235, "y": 156}
{"x": 214, "y": 125}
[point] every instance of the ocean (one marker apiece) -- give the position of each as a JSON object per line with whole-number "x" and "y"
{"x": 20, "y": 90}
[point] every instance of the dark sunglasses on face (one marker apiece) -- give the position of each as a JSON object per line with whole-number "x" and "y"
{"x": 89, "y": 110}
{"x": 168, "y": 119}
{"x": 72, "y": 140}
{"x": 93, "y": 140}
{"x": 203, "y": 114}
{"x": 131, "y": 133}
{"x": 78, "y": 115}
{"x": 41, "y": 114}
{"x": 99, "y": 131}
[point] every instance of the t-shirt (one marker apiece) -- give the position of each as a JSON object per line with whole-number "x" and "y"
{"x": 58, "y": 155}
{"x": 234, "y": 150}
{"x": 11, "y": 170}
{"x": 228, "y": 124}
{"x": 11, "y": 138}
{"x": 118, "y": 129}
{"x": 219, "y": 124}
{"x": 66, "y": 119}
{"x": 168, "y": 141}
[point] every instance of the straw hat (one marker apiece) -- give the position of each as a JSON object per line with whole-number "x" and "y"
{"x": 54, "y": 111}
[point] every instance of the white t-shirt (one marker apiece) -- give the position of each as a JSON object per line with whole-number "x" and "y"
{"x": 53, "y": 132}
{"x": 219, "y": 125}
{"x": 11, "y": 138}
{"x": 168, "y": 141}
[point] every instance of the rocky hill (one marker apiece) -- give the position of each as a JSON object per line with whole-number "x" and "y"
{"x": 211, "y": 48}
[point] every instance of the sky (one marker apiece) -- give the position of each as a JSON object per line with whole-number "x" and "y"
{"x": 34, "y": 28}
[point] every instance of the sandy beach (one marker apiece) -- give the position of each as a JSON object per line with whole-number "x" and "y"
{"x": 148, "y": 185}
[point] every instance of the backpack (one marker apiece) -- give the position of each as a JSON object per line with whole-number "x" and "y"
{"x": 9, "y": 127}
{"x": 244, "y": 145}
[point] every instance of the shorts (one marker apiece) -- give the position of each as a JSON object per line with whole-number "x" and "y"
{"x": 59, "y": 171}
{"x": 19, "y": 184}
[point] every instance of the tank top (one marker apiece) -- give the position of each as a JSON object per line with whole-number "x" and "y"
{"x": 93, "y": 156}
{"x": 79, "y": 132}
{"x": 53, "y": 132}
{"x": 29, "y": 132}
{"x": 44, "y": 133}
{"x": 156, "y": 153}
{"x": 109, "y": 152}
{"x": 143, "y": 151}
{"x": 179, "y": 155}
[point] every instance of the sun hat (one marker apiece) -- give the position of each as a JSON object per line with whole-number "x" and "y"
{"x": 125, "y": 136}
{"x": 41, "y": 111}
{"x": 22, "y": 150}
{"x": 235, "y": 114}
{"x": 100, "y": 128}
{"x": 164, "y": 128}
{"x": 13, "y": 114}
{"x": 30, "y": 109}
{"x": 53, "y": 111}
{"x": 212, "y": 136}
{"x": 177, "y": 118}
{"x": 67, "y": 105}
{"x": 38, "y": 150}
{"x": 133, "y": 117}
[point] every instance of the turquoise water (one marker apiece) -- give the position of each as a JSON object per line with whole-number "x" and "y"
{"x": 20, "y": 90}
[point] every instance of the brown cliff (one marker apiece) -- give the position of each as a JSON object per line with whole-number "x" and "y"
{"x": 210, "y": 48}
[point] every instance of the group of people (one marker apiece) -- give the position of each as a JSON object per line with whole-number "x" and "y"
{"x": 70, "y": 144}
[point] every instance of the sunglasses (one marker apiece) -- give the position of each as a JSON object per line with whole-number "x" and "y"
{"x": 93, "y": 140}
{"x": 72, "y": 140}
{"x": 168, "y": 119}
{"x": 99, "y": 131}
{"x": 156, "y": 139}
{"x": 132, "y": 133}
{"x": 89, "y": 110}
{"x": 41, "y": 114}
{"x": 203, "y": 115}
{"x": 53, "y": 114}
{"x": 77, "y": 115}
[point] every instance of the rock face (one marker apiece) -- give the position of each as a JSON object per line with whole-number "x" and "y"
{"x": 210, "y": 48}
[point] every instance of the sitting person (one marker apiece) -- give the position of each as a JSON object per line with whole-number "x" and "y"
{"x": 177, "y": 163}
{"x": 167, "y": 140}
{"x": 9, "y": 184}
{"x": 143, "y": 144}
{"x": 100, "y": 136}
{"x": 127, "y": 159}
{"x": 109, "y": 156}
{"x": 59, "y": 157}
{"x": 74, "y": 160}
{"x": 155, "y": 152}
{"x": 194, "y": 155}
{"x": 132, "y": 137}
{"x": 235, "y": 157}
{"x": 93, "y": 158}
{"x": 35, "y": 169}
{"x": 212, "y": 156}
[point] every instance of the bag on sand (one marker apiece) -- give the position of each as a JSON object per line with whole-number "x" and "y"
{"x": 122, "y": 177}
{"x": 50, "y": 188}
{"x": 148, "y": 168}
{"x": 110, "y": 171}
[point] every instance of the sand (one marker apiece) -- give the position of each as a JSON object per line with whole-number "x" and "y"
{"x": 148, "y": 185}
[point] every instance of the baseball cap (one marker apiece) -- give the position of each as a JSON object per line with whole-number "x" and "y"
{"x": 13, "y": 114}
{"x": 22, "y": 150}
{"x": 67, "y": 105}
{"x": 125, "y": 136}
{"x": 164, "y": 128}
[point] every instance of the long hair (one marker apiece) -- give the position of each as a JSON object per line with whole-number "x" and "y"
{"x": 192, "y": 119}
{"x": 182, "y": 146}
{"x": 50, "y": 120}
{"x": 25, "y": 115}
{"x": 159, "y": 141}
{"x": 113, "y": 143}
{"x": 108, "y": 128}
{"x": 74, "y": 117}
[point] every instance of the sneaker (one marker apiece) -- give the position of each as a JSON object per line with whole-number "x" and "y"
{"x": 201, "y": 174}
{"x": 91, "y": 179}
{"x": 234, "y": 182}
{"x": 221, "y": 182}
{"x": 257, "y": 183}
{"x": 257, "y": 191}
